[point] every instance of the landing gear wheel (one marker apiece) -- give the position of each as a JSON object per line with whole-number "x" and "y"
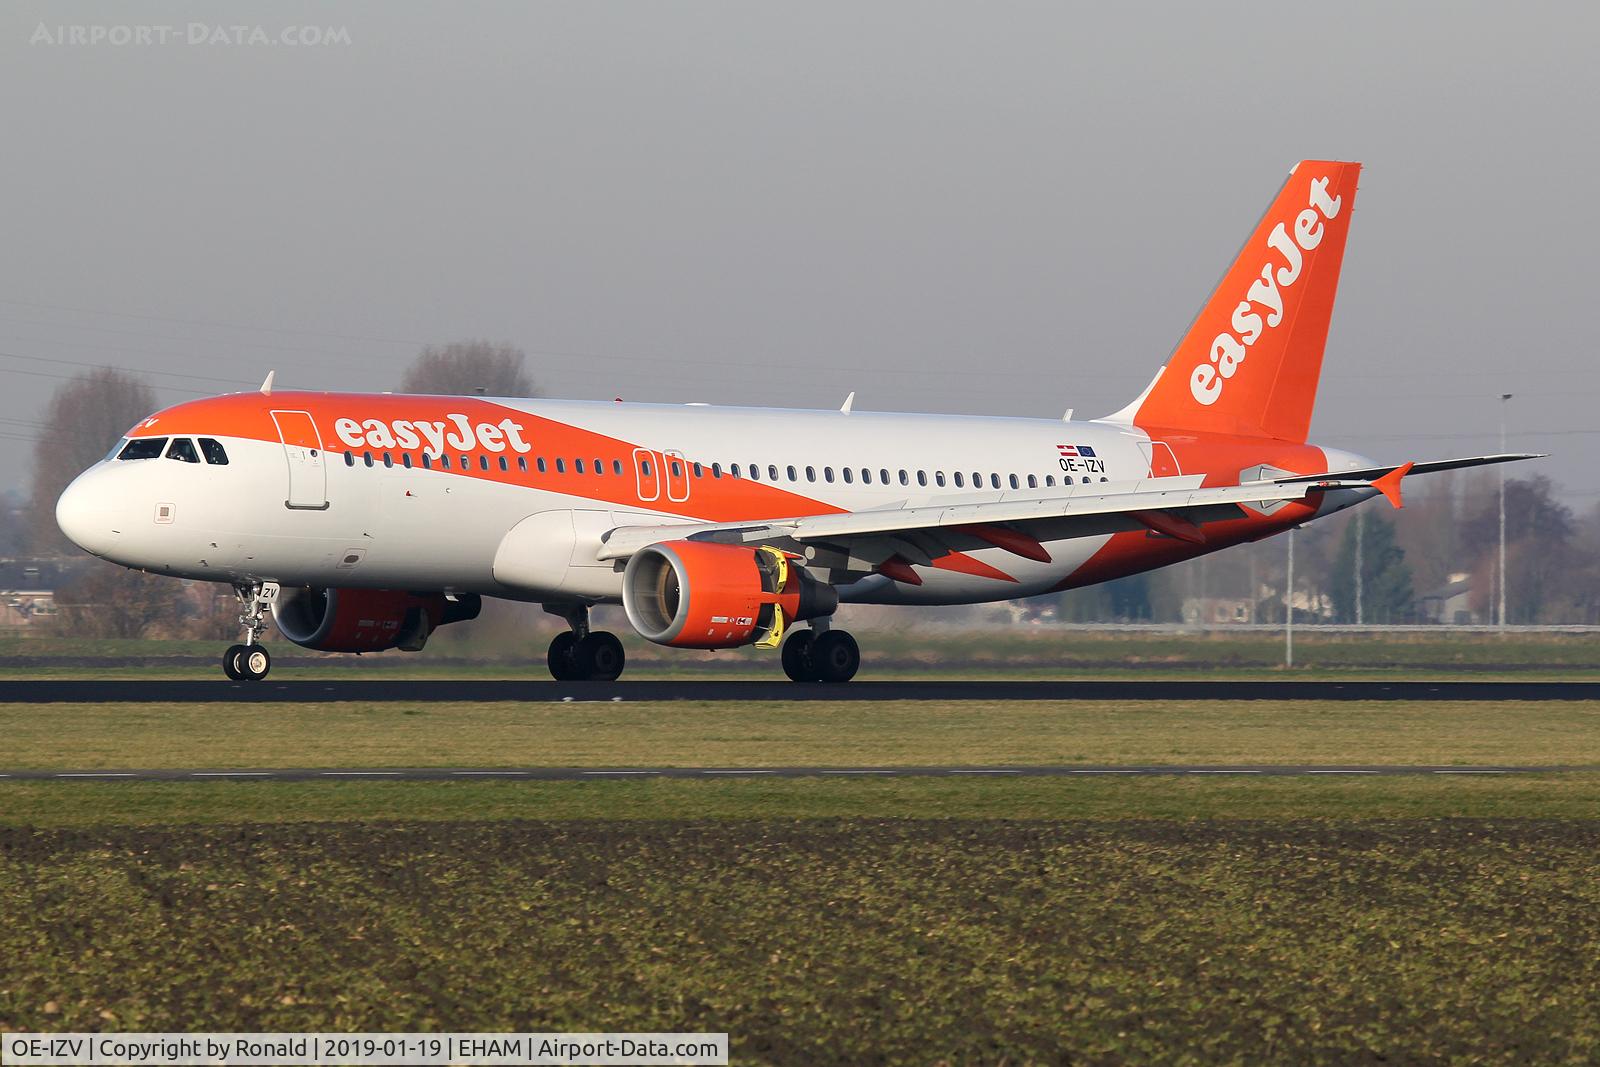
{"x": 253, "y": 663}
{"x": 563, "y": 668}
{"x": 796, "y": 656}
{"x": 230, "y": 663}
{"x": 835, "y": 656}
{"x": 599, "y": 657}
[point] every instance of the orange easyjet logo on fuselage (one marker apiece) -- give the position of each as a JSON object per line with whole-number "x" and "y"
{"x": 1229, "y": 348}
{"x": 456, "y": 431}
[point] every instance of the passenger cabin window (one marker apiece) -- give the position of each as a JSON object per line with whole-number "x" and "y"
{"x": 772, "y": 471}
{"x": 600, "y": 468}
{"x": 792, "y": 478}
{"x": 427, "y": 462}
{"x": 444, "y": 462}
{"x": 938, "y": 479}
{"x": 183, "y": 450}
{"x": 827, "y": 474}
{"x": 849, "y": 476}
{"x": 144, "y": 448}
{"x": 466, "y": 463}
{"x": 367, "y": 457}
{"x": 616, "y": 467}
{"x": 903, "y": 479}
{"x": 1033, "y": 481}
{"x": 561, "y": 467}
{"x": 994, "y": 480}
{"x": 755, "y": 472}
{"x": 960, "y": 482}
{"x": 1050, "y": 481}
{"x": 811, "y": 474}
{"x": 215, "y": 454}
{"x": 349, "y": 458}
{"x": 522, "y": 463}
{"x": 541, "y": 465}
{"x": 734, "y": 470}
{"x": 577, "y": 466}
{"x": 922, "y": 478}
{"x": 884, "y": 476}
{"x": 405, "y": 458}
{"x": 866, "y": 475}
{"x": 388, "y": 460}
{"x": 1014, "y": 484}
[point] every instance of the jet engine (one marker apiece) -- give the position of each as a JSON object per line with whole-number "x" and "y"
{"x": 704, "y": 594}
{"x": 367, "y": 620}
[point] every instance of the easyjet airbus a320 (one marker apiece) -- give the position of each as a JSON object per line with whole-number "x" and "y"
{"x": 364, "y": 522}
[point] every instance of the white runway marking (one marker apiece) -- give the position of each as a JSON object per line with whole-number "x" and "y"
{"x": 96, "y": 774}
{"x": 230, "y": 774}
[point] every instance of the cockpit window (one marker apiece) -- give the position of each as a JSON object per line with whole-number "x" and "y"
{"x": 144, "y": 448}
{"x": 116, "y": 449}
{"x": 183, "y": 449}
{"x": 215, "y": 454}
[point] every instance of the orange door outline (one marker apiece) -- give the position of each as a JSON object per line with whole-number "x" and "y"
{"x": 303, "y": 452}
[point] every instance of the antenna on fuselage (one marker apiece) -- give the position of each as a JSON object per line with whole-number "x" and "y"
{"x": 849, "y": 402}
{"x": 1068, "y": 416}
{"x": 266, "y": 383}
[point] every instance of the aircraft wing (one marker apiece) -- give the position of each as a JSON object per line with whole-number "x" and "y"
{"x": 1020, "y": 520}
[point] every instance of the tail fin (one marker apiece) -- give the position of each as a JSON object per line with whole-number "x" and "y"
{"x": 1250, "y": 361}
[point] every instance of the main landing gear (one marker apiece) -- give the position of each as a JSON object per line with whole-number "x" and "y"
{"x": 820, "y": 656}
{"x": 581, "y": 654}
{"x": 250, "y": 661}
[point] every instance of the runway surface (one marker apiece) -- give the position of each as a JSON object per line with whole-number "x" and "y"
{"x": 434, "y": 690}
{"x": 589, "y": 774}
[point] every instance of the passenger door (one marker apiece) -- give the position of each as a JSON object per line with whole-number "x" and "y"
{"x": 302, "y": 450}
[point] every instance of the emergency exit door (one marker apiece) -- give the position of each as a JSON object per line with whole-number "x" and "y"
{"x": 302, "y": 450}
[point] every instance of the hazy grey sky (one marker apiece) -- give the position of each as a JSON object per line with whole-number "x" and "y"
{"x": 989, "y": 208}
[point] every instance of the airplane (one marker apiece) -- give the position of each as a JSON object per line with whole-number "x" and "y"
{"x": 364, "y": 522}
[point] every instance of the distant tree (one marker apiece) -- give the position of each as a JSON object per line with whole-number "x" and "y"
{"x": 1540, "y": 533}
{"x": 1386, "y": 593}
{"x": 469, "y": 367}
{"x": 14, "y": 532}
{"x": 83, "y": 421}
{"x": 106, "y": 600}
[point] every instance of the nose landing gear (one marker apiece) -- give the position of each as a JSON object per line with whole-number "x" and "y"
{"x": 250, "y": 661}
{"x": 581, "y": 654}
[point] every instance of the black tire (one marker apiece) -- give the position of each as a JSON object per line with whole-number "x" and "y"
{"x": 835, "y": 656}
{"x": 230, "y": 663}
{"x": 560, "y": 659}
{"x": 599, "y": 657}
{"x": 253, "y": 663}
{"x": 796, "y": 656}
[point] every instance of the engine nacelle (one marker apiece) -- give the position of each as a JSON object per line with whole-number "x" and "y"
{"x": 366, "y": 620}
{"x": 703, "y": 594}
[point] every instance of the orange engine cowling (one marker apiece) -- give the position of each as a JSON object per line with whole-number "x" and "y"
{"x": 366, "y": 620}
{"x": 703, "y": 594}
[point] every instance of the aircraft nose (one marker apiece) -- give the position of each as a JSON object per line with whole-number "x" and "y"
{"x": 83, "y": 517}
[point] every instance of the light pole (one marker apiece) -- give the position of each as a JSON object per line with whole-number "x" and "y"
{"x": 1288, "y": 605}
{"x": 1361, "y": 528}
{"x": 1504, "y": 399}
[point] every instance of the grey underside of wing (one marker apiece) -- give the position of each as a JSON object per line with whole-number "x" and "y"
{"x": 1429, "y": 467}
{"x": 1044, "y": 519}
